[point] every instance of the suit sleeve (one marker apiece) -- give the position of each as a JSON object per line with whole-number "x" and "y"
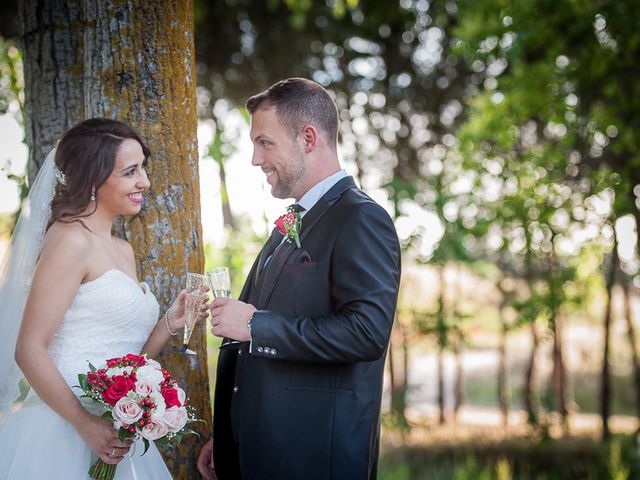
{"x": 365, "y": 276}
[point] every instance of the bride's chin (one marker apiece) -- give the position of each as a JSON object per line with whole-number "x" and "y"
{"x": 132, "y": 211}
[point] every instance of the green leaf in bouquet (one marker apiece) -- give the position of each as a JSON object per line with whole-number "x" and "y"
{"x": 163, "y": 442}
{"x": 123, "y": 434}
{"x": 146, "y": 445}
{"x": 107, "y": 415}
{"x": 82, "y": 380}
{"x": 91, "y": 367}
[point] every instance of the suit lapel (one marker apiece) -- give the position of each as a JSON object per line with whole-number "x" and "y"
{"x": 274, "y": 268}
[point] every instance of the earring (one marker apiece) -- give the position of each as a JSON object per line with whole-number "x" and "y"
{"x": 93, "y": 196}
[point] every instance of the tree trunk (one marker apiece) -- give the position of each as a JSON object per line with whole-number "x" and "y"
{"x": 458, "y": 343}
{"x": 458, "y": 390}
{"x": 605, "y": 381}
{"x": 503, "y": 381}
{"x": 441, "y": 415}
{"x": 405, "y": 373}
{"x": 399, "y": 374}
{"x": 529, "y": 393}
{"x": 441, "y": 333}
{"x": 559, "y": 372}
{"x": 133, "y": 61}
{"x": 51, "y": 43}
{"x": 227, "y": 215}
{"x": 220, "y": 157}
{"x": 633, "y": 342}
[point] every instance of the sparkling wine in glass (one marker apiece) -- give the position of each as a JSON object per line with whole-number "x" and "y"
{"x": 221, "y": 286}
{"x": 197, "y": 286}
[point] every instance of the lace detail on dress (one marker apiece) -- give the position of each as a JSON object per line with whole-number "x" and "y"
{"x": 110, "y": 317}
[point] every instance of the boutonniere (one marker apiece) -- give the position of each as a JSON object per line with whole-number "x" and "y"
{"x": 289, "y": 225}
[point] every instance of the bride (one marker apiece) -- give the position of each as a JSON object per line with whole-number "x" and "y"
{"x": 84, "y": 304}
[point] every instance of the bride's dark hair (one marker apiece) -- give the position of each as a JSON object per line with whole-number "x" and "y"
{"x": 86, "y": 156}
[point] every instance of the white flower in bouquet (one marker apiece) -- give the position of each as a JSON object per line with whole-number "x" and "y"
{"x": 149, "y": 374}
{"x": 159, "y": 410}
{"x": 182, "y": 396}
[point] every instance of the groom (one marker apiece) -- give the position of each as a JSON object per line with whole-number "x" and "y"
{"x": 300, "y": 398}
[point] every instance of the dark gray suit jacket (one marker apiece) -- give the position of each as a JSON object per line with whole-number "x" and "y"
{"x": 305, "y": 404}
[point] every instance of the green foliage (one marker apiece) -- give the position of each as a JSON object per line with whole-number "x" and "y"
{"x": 11, "y": 76}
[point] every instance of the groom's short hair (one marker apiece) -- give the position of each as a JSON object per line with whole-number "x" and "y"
{"x": 300, "y": 102}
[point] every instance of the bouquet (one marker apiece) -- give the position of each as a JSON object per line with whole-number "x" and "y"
{"x": 141, "y": 399}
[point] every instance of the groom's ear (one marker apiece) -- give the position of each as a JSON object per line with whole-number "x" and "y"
{"x": 309, "y": 136}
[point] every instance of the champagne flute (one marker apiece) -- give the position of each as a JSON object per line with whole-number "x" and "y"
{"x": 221, "y": 286}
{"x": 196, "y": 290}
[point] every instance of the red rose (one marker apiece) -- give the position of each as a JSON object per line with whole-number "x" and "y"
{"x": 170, "y": 395}
{"x": 280, "y": 224}
{"x": 289, "y": 225}
{"x": 118, "y": 389}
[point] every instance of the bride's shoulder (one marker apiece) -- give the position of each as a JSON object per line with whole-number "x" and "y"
{"x": 71, "y": 237}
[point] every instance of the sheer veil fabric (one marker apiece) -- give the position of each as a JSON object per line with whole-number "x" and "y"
{"x": 16, "y": 271}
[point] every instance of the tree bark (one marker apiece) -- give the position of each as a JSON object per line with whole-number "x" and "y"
{"x": 133, "y": 61}
{"x": 559, "y": 371}
{"x": 458, "y": 390}
{"x": 530, "y": 398}
{"x": 633, "y": 342}
{"x": 399, "y": 375}
{"x": 605, "y": 378}
{"x": 51, "y": 43}
{"x": 503, "y": 381}
{"x": 442, "y": 341}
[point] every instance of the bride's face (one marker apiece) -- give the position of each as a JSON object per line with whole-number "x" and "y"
{"x": 122, "y": 193}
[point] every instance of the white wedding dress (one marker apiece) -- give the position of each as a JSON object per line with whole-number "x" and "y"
{"x": 111, "y": 316}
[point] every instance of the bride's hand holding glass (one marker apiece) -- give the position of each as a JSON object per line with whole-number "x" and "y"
{"x": 176, "y": 316}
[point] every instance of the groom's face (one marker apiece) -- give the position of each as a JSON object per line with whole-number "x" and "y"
{"x": 277, "y": 153}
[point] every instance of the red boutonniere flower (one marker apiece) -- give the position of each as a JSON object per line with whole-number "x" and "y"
{"x": 289, "y": 225}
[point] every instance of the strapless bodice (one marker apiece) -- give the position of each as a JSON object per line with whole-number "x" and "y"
{"x": 110, "y": 316}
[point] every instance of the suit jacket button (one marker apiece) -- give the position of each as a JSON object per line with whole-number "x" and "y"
{"x": 235, "y": 389}
{"x": 239, "y": 351}
{"x": 260, "y": 349}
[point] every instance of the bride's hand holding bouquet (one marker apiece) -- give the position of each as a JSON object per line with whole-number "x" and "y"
{"x": 141, "y": 400}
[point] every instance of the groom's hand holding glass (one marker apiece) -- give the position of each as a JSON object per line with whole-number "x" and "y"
{"x": 230, "y": 318}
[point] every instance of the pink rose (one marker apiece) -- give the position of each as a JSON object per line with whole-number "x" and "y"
{"x": 154, "y": 430}
{"x": 127, "y": 410}
{"x": 144, "y": 389}
{"x": 175, "y": 418}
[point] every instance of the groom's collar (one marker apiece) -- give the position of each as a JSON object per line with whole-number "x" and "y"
{"x": 316, "y": 192}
